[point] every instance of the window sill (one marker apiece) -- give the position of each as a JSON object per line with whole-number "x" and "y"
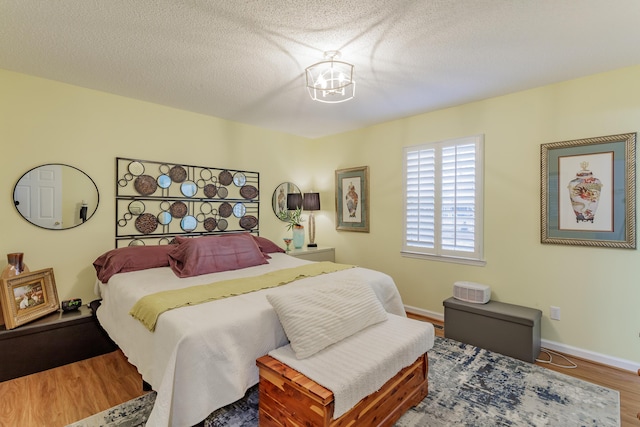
{"x": 442, "y": 258}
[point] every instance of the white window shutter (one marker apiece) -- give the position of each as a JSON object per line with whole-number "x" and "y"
{"x": 443, "y": 198}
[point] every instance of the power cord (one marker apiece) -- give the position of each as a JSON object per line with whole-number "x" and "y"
{"x": 551, "y": 353}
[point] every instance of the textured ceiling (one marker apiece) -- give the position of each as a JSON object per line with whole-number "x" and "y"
{"x": 244, "y": 60}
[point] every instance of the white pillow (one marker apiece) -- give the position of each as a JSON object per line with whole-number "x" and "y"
{"x": 314, "y": 318}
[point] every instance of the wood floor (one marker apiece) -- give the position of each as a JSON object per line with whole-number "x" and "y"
{"x": 60, "y": 396}
{"x": 69, "y": 393}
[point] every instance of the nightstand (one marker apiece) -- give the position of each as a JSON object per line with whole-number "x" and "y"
{"x": 314, "y": 254}
{"x": 54, "y": 340}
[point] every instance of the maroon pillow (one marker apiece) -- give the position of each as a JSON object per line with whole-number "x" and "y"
{"x": 212, "y": 254}
{"x": 266, "y": 245}
{"x": 131, "y": 258}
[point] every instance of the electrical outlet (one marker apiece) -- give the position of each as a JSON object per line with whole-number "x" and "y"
{"x": 555, "y": 313}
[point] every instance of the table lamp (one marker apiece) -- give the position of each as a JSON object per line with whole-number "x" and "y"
{"x": 311, "y": 202}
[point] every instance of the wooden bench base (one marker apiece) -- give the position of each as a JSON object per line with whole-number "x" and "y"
{"x": 290, "y": 399}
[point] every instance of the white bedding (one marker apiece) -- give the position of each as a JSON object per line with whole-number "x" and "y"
{"x": 368, "y": 359}
{"x": 201, "y": 358}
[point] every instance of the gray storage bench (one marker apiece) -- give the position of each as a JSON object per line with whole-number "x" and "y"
{"x": 509, "y": 329}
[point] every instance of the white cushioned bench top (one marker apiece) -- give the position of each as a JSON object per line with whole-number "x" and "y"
{"x": 360, "y": 364}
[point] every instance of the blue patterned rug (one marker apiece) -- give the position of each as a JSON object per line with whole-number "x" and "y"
{"x": 468, "y": 386}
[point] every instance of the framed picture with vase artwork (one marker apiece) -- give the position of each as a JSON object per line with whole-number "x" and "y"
{"x": 588, "y": 192}
{"x": 352, "y": 199}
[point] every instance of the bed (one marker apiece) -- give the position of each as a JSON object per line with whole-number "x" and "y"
{"x": 202, "y": 357}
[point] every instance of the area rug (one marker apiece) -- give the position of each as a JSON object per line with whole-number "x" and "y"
{"x": 468, "y": 386}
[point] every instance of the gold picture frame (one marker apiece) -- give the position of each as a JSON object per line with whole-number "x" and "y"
{"x": 28, "y": 297}
{"x": 352, "y": 199}
{"x": 588, "y": 192}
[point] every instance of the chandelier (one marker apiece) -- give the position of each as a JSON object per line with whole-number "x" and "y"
{"x": 331, "y": 81}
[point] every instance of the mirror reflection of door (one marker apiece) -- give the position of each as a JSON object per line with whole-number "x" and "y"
{"x": 38, "y": 196}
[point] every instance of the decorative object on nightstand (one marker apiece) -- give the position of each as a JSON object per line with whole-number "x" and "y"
{"x": 287, "y": 241}
{"x": 28, "y": 296}
{"x": 15, "y": 265}
{"x": 298, "y": 236}
{"x": 311, "y": 202}
{"x": 71, "y": 304}
{"x": 294, "y": 203}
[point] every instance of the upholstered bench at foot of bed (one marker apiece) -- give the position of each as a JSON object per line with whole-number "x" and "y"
{"x": 368, "y": 379}
{"x": 288, "y": 398}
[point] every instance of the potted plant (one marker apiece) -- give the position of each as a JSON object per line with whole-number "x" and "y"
{"x": 294, "y": 223}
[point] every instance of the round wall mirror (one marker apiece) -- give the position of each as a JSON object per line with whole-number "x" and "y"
{"x": 279, "y": 199}
{"x": 56, "y": 196}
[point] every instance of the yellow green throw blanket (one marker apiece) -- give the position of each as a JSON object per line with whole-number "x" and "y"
{"x": 149, "y": 307}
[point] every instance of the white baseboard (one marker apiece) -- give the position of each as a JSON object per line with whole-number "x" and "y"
{"x": 423, "y": 312}
{"x": 605, "y": 359}
{"x": 616, "y": 362}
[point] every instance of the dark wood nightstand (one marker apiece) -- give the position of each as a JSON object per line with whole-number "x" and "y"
{"x": 54, "y": 340}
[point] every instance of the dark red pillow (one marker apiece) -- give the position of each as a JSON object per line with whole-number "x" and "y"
{"x": 266, "y": 245}
{"x": 212, "y": 254}
{"x": 131, "y": 258}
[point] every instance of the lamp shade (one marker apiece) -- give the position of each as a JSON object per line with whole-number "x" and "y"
{"x": 294, "y": 201}
{"x": 311, "y": 202}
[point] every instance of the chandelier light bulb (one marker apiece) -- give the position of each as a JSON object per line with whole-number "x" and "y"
{"x": 331, "y": 81}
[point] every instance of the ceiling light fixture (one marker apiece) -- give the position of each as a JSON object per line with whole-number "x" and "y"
{"x": 331, "y": 81}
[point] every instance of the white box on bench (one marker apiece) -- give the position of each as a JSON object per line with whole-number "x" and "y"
{"x": 508, "y": 329}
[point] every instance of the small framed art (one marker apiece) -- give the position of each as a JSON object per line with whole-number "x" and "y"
{"x": 588, "y": 192}
{"x": 352, "y": 199}
{"x": 28, "y": 297}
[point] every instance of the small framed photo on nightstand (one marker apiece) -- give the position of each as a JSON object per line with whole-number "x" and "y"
{"x": 28, "y": 297}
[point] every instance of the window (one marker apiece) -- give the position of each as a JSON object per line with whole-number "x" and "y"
{"x": 443, "y": 200}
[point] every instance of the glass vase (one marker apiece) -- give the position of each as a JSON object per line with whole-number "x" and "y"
{"x": 298, "y": 236}
{"x": 15, "y": 265}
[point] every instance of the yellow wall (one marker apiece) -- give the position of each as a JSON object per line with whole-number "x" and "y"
{"x": 48, "y": 122}
{"x": 597, "y": 289}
